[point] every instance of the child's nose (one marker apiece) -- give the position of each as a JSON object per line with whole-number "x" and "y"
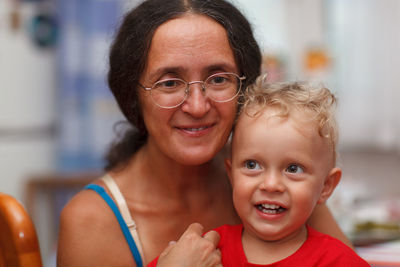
{"x": 272, "y": 182}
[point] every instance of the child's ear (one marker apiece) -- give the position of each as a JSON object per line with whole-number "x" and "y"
{"x": 330, "y": 184}
{"x": 228, "y": 167}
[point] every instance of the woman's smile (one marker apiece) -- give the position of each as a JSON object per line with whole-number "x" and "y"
{"x": 196, "y": 130}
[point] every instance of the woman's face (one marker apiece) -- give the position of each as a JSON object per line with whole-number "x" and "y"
{"x": 191, "y": 48}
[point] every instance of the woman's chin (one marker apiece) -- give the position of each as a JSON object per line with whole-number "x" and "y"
{"x": 195, "y": 158}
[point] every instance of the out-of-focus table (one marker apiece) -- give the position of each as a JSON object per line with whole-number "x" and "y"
{"x": 45, "y": 196}
{"x": 53, "y": 185}
{"x": 384, "y": 254}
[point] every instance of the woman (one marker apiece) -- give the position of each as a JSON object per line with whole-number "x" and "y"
{"x": 176, "y": 69}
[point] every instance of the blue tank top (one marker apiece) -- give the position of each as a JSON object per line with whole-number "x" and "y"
{"x": 125, "y": 230}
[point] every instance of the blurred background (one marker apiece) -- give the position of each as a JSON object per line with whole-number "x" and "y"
{"x": 57, "y": 114}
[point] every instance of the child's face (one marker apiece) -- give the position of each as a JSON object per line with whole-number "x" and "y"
{"x": 280, "y": 169}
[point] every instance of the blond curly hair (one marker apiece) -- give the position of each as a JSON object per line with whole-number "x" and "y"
{"x": 318, "y": 101}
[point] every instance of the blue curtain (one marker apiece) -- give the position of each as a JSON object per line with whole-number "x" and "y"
{"x": 86, "y": 107}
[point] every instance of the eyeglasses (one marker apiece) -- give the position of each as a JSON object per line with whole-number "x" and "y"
{"x": 219, "y": 87}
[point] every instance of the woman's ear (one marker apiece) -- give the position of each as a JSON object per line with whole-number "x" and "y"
{"x": 331, "y": 181}
{"x": 228, "y": 167}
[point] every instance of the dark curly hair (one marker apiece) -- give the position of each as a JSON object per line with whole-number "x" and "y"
{"x": 129, "y": 51}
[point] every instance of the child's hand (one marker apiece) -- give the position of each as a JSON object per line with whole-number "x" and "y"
{"x": 192, "y": 250}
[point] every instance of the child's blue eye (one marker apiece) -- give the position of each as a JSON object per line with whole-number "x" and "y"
{"x": 294, "y": 168}
{"x": 252, "y": 165}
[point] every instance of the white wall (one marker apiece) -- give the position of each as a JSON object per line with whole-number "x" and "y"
{"x": 27, "y": 91}
{"x": 366, "y": 39}
{"x": 361, "y": 38}
{"x": 285, "y": 27}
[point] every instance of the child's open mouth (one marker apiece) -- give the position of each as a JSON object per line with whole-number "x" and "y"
{"x": 270, "y": 208}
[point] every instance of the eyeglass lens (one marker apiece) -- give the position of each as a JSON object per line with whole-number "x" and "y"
{"x": 220, "y": 87}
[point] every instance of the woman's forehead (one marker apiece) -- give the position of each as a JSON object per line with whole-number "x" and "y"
{"x": 187, "y": 42}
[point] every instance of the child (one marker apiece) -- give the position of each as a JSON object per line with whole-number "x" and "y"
{"x": 282, "y": 165}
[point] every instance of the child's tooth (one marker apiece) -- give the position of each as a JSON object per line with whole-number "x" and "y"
{"x": 270, "y": 206}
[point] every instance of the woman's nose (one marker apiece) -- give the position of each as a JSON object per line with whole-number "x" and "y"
{"x": 272, "y": 182}
{"x": 197, "y": 104}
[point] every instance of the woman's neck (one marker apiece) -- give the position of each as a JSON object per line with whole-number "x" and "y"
{"x": 149, "y": 170}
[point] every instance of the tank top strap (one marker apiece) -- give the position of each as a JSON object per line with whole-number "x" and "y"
{"x": 123, "y": 207}
{"x": 124, "y": 228}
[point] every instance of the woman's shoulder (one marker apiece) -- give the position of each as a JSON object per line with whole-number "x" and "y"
{"x": 88, "y": 224}
{"x": 86, "y": 205}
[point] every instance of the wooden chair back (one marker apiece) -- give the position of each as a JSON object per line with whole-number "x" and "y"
{"x": 19, "y": 245}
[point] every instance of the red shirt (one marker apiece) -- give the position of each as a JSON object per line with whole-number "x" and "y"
{"x": 318, "y": 250}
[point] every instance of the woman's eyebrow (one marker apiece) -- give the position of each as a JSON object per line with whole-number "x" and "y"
{"x": 221, "y": 66}
{"x": 155, "y": 75}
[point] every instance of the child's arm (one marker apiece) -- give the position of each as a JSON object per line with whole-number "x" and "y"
{"x": 323, "y": 221}
{"x": 192, "y": 249}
